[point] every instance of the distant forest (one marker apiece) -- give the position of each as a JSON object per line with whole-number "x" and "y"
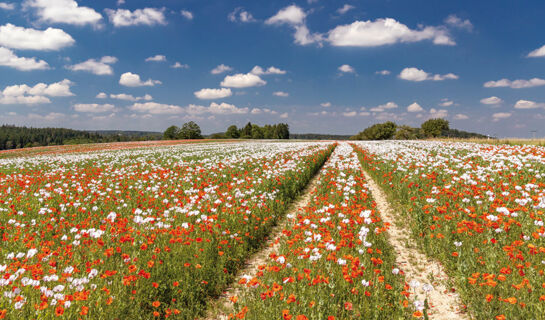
{"x": 12, "y": 137}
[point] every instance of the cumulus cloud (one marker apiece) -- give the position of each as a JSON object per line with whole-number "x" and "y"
{"x": 240, "y": 15}
{"x": 215, "y": 108}
{"x": 9, "y": 59}
{"x": 146, "y": 16}
{"x": 526, "y": 104}
{"x": 294, "y": 16}
{"x": 101, "y": 95}
{"x": 414, "y": 74}
{"x": 130, "y": 79}
{"x": 414, "y": 107}
{"x": 344, "y": 9}
{"x": 130, "y": 97}
{"x": 281, "y": 94}
{"x": 491, "y": 100}
{"x": 264, "y": 110}
{"x": 539, "y": 52}
{"x": 156, "y": 58}
{"x": 93, "y": 107}
{"x": 48, "y": 117}
{"x": 63, "y": 11}
{"x": 383, "y": 72}
{"x": 384, "y": 31}
{"x": 241, "y": 80}
{"x": 7, "y": 6}
{"x": 38, "y": 94}
{"x": 460, "y": 116}
{"x": 208, "y": 94}
{"x": 515, "y": 84}
{"x": 187, "y": 14}
{"x": 446, "y": 103}
{"x": 345, "y": 68}
{"x": 456, "y": 22}
{"x": 156, "y": 108}
{"x": 100, "y": 67}
{"x": 384, "y": 107}
{"x": 441, "y": 113}
{"x": 326, "y": 104}
{"x": 15, "y": 37}
{"x": 257, "y": 70}
{"x": 178, "y": 65}
{"x": 221, "y": 69}
{"x": 500, "y": 115}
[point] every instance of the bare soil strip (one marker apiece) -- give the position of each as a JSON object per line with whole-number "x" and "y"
{"x": 444, "y": 304}
{"x": 221, "y": 308}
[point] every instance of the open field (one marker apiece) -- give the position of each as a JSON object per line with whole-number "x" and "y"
{"x": 155, "y": 231}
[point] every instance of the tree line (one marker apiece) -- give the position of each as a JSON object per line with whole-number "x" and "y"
{"x": 433, "y": 128}
{"x": 191, "y": 130}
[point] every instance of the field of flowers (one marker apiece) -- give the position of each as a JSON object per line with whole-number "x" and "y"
{"x": 334, "y": 261}
{"x": 138, "y": 234}
{"x": 478, "y": 209}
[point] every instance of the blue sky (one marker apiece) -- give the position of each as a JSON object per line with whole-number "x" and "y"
{"x": 320, "y": 66}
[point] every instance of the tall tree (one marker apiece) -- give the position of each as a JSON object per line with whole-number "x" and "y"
{"x": 190, "y": 130}
{"x": 232, "y": 132}
{"x": 171, "y": 133}
{"x": 435, "y": 127}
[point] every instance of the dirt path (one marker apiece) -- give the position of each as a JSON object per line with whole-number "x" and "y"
{"x": 220, "y": 309}
{"x": 444, "y": 304}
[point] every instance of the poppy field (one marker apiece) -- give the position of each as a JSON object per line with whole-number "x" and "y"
{"x": 158, "y": 232}
{"x": 476, "y": 208}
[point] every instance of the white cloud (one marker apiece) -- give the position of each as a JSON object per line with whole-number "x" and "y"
{"x": 156, "y": 108}
{"x": 7, "y": 6}
{"x": 63, "y": 11}
{"x": 414, "y": 107}
{"x": 344, "y": 9}
{"x": 384, "y": 107}
{"x": 281, "y": 94}
{"x": 455, "y": 21}
{"x": 207, "y": 94}
{"x": 178, "y": 65}
{"x": 120, "y": 2}
{"x": 292, "y": 15}
{"x": 515, "y": 84}
{"x": 539, "y": 52}
{"x": 326, "y": 104}
{"x": 441, "y": 113}
{"x": 257, "y": 70}
{"x": 345, "y": 68}
{"x": 39, "y": 93}
{"x": 93, "y": 107}
{"x": 101, "y": 67}
{"x": 414, "y": 74}
{"x": 460, "y": 116}
{"x": 130, "y": 79}
{"x": 214, "y": 108}
{"x": 130, "y": 97}
{"x": 526, "y": 104}
{"x": 9, "y": 59}
{"x": 31, "y": 39}
{"x": 384, "y": 32}
{"x": 491, "y": 100}
{"x": 446, "y": 103}
{"x": 383, "y": 72}
{"x": 221, "y": 69}
{"x": 241, "y": 15}
{"x": 241, "y": 80}
{"x": 349, "y": 113}
{"x": 157, "y": 58}
{"x": 500, "y": 115}
{"x": 146, "y": 16}
{"x": 101, "y": 95}
{"x": 48, "y": 117}
{"x": 102, "y": 118}
{"x": 187, "y": 14}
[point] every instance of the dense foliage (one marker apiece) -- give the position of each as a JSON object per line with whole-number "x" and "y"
{"x": 189, "y": 130}
{"x": 13, "y": 137}
{"x": 432, "y": 128}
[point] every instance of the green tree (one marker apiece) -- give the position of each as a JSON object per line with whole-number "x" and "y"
{"x": 282, "y": 131}
{"x": 435, "y": 127}
{"x": 246, "y": 132}
{"x": 190, "y": 130}
{"x": 257, "y": 132}
{"x": 406, "y": 133}
{"x": 232, "y": 132}
{"x": 379, "y": 131}
{"x": 171, "y": 133}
